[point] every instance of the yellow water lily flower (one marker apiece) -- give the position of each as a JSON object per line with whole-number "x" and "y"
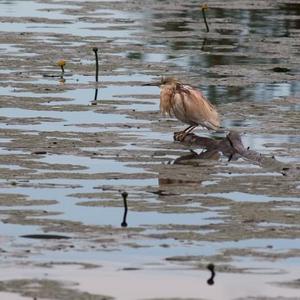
{"x": 204, "y": 6}
{"x": 61, "y": 63}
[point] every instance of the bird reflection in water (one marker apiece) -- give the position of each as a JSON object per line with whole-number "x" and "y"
{"x": 124, "y": 223}
{"x": 211, "y": 268}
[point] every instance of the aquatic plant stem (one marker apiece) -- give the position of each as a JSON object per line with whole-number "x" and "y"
{"x": 62, "y": 71}
{"x": 61, "y": 63}
{"x": 204, "y": 8}
{"x": 211, "y": 268}
{"x": 124, "y": 195}
{"x": 95, "y": 49}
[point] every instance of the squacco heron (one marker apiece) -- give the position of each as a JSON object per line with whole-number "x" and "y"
{"x": 187, "y": 104}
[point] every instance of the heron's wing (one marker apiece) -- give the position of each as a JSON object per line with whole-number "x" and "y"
{"x": 191, "y": 107}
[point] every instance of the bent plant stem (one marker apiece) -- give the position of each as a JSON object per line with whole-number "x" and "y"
{"x": 62, "y": 72}
{"x": 61, "y": 63}
{"x": 95, "y": 49}
{"x": 211, "y": 268}
{"x": 204, "y": 8}
{"x": 124, "y": 223}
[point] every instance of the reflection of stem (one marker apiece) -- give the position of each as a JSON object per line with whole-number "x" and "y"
{"x": 96, "y": 94}
{"x": 204, "y": 17}
{"x": 204, "y": 44}
{"x": 62, "y": 71}
{"x": 211, "y": 268}
{"x": 95, "y": 49}
{"x": 124, "y": 223}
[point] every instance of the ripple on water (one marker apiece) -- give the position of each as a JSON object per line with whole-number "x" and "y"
{"x": 73, "y": 119}
{"x": 92, "y": 164}
{"x": 246, "y": 197}
{"x": 77, "y": 28}
{"x": 33, "y": 9}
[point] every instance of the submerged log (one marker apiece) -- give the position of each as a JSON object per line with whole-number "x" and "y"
{"x": 232, "y": 147}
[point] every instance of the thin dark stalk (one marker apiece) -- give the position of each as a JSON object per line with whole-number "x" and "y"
{"x": 61, "y": 63}
{"x": 124, "y": 223}
{"x": 211, "y": 268}
{"x": 204, "y": 8}
{"x": 62, "y": 72}
{"x": 96, "y": 94}
{"x": 94, "y": 102}
{"x": 95, "y": 49}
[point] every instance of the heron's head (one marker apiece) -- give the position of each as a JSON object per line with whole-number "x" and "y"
{"x": 168, "y": 81}
{"x": 163, "y": 81}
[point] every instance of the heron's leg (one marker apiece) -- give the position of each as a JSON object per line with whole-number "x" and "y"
{"x": 190, "y": 129}
{"x": 179, "y": 136}
{"x": 182, "y": 131}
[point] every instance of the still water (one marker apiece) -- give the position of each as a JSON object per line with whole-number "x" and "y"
{"x": 248, "y": 58}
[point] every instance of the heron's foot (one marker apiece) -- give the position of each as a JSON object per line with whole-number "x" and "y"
{"x": 180, "y": 135}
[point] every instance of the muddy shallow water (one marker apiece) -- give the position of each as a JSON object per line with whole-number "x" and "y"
{"x": 69, "y": 148}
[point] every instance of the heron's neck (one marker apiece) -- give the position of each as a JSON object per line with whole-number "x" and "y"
{"x": 166, "y": 95}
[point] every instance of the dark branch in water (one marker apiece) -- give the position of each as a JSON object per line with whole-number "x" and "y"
{"x": 232, "y": 147}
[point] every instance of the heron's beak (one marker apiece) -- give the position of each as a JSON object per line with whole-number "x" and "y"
{"x": 156, "y": 83}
